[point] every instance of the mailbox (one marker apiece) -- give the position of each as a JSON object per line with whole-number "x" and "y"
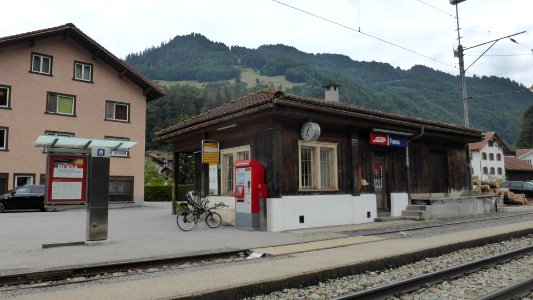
{"x": 249, "y": 188}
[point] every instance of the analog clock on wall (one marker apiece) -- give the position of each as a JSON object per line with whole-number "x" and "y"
{"x": 310, "y": 131}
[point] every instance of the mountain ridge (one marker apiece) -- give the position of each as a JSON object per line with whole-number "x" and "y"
{"x": 497, "y": 104}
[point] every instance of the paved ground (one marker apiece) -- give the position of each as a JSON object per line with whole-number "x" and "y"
{"x": 134, "y": 233}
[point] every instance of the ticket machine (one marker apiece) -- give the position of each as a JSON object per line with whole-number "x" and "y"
{"x": 249, "y": 189}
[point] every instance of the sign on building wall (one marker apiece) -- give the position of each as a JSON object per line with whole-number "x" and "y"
{"x": 209, "y": 152}
{"x": 388, "y": 140}
{"x": 213, "y": 180}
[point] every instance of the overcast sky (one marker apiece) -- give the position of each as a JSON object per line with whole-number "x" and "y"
{"x": 427, "y": 27}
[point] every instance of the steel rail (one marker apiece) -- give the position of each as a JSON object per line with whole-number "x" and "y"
{"x": 517, "y": 290}
{"x": 417, "y": 282}
{"x": 362, "y": 232}
{"x": 99, "y": 269}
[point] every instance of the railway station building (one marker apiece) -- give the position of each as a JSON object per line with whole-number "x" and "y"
{"x": 326, "y": 162}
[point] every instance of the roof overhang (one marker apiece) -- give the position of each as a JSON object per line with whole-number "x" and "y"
{"x": 50, "y": 141}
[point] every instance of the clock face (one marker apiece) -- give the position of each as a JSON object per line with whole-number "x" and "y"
{"x": 310, "y": 131}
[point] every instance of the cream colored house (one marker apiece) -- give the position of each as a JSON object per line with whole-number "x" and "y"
{"x": 59, "y": 81}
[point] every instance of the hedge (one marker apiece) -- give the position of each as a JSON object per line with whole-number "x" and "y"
{"x": 164, "y": 192}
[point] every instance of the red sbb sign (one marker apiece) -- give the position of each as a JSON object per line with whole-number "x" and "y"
{"x": 377, "y": 138}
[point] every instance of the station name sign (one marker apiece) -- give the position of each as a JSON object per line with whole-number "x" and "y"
{"x": 387, "y": 140}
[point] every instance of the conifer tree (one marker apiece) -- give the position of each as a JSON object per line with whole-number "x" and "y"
{"x": 525, "y": 141}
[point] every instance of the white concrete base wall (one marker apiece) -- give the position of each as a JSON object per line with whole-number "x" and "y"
{"x": 227, "y": 213}
{"x": 138, "y": 199}
{"x": 319, "y": 210}
{"x": 398, "y": 202}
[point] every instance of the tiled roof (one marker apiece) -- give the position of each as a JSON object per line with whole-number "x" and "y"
{"x": 69, "y": 30}
{"x": 522, "y": 152}
{"x": 515, "y": 164}
{"x": 487, "y": 136}
{"x": 268, "y": 98}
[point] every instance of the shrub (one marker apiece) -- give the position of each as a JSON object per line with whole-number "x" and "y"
{"x": 164, "y": 192}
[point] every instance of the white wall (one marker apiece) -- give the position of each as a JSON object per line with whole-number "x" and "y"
{"x": 478, "y": 163}
{"x": 398, "y": 203}
{"x": 227, "y": 213}
{"x": 319, "y": 210}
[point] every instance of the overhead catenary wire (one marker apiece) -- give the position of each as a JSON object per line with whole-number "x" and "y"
{"x": 381, "y": 40}
{"x": 366, "y": 34}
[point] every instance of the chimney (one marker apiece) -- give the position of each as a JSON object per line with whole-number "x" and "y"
{"x": 332, "y": 92}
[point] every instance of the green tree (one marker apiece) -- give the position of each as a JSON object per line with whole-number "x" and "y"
{"x": 526, "y": 130}
{"x": 151, "y": 175}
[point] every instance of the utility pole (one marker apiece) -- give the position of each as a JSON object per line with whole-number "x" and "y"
{"x": 460, "y": 54}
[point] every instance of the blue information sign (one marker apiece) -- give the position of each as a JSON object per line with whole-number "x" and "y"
{"x": 397, "y": 141}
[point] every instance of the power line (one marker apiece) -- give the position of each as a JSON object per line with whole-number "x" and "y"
{"x": 497, "y": 94}
{"x": 365, "y": 34}
{"x": 450, "y": 15}
{"x": 384, "y": 41}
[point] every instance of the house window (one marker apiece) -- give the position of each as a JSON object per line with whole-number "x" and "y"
{"x": 57, "y": 133}
{"x": 41, "y": 64}
{"x": 4, "y": 177}
{"x": 491, "y": 144}
{"x": 227, "y": 157}
{"x": 499, "y": 171}
{"x": 5, "y": 96}
{"x": 23, "y": 179}
{"x": 483, "y": 156}
{"x": 317, "y": 166}
{"x": 491, "y": 156}
{"x": 3, "y": 138}
{"x": 61, "y": 104}
{"x": 83, "y": 71}
{"x": 117, "y": 111}
{"x": 485, "y": 171}
{"x": 121, "y": 188}
{"x": 498, "y": 157}
{"x": 118, "y": 153}
{"x": 492, "y": 171}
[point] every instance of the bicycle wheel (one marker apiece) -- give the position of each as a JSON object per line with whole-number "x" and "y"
{"x": 213, "y": 219}
{"x": 186, "y": 220}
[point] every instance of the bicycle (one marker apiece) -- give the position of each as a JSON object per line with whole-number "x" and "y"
{"x": 188, "y": 218}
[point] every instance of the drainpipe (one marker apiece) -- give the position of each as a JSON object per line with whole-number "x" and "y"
{"x": 416, "y": 137}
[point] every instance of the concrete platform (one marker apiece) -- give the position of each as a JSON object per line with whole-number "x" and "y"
{"x": 151, "y": 231}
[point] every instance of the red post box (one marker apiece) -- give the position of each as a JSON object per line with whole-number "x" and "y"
{"x": 249, "y": 188}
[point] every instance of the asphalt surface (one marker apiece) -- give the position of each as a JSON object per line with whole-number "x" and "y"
{"x": 134, "y": 233}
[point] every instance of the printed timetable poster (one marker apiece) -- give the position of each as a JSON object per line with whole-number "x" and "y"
{"x": 67, "y": 179}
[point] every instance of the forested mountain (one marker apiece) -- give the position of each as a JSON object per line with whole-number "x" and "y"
{"x": 497, "y": 104}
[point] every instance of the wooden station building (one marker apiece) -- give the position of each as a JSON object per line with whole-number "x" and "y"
{"x": 326, "y": 162}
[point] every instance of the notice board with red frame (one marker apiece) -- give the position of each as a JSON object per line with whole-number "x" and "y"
{"x": 67, "y": 179}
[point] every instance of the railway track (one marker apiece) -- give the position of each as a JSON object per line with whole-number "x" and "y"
{"x": 89, "y": 273}
{"x": 401, "y": 288}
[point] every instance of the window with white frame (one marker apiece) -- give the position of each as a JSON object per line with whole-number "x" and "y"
{"x": 317, "y": 166}
{"x": 491, "y": 156}
{"x": 117, "y": 111}
{"x": 492, "y": 171}
{"x": 483, "y": 156}
{"x": 3, "y": 138}
{"x": 23, "y": 179}
{"x": 118, "y": 153}
{"x": 41, "y": 64}
{"x": 61, "y": 104}
{"x": 498, "y": 157}
{"x": 83, "y": 71}
{"x": 227, "y": 157}
{"x": 499, "y": 171}
{"x": 485, "y": 170}
{"x": 5, "y": 94}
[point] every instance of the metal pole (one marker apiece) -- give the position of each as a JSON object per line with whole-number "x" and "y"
{"x": 460, "y": 53}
